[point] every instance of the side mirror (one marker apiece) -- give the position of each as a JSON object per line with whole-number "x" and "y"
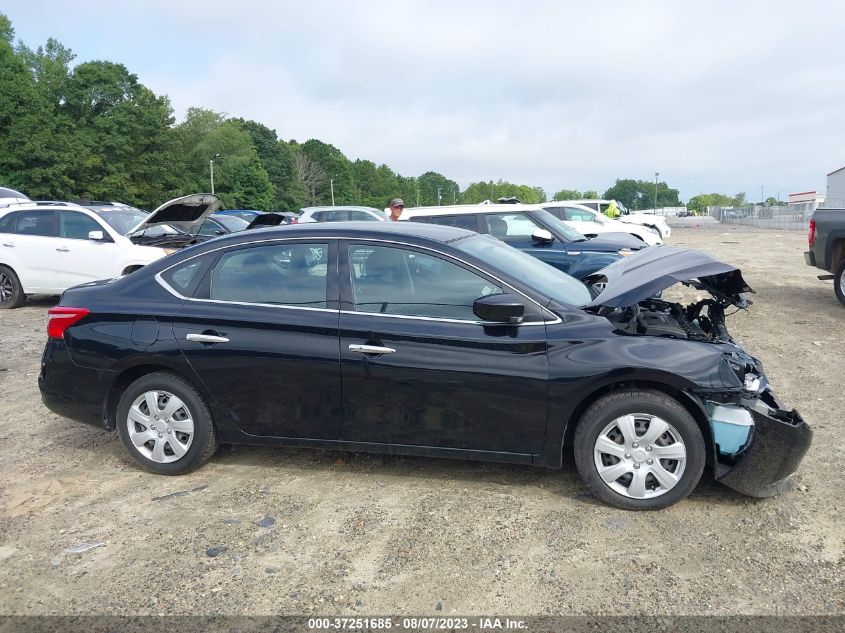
{"x": 97, "y": 236}
{"x": 542, "y": 236}
{"x": 499, "y": 308}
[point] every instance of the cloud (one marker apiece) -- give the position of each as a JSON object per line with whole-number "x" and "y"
{"x": 717, "y": 97}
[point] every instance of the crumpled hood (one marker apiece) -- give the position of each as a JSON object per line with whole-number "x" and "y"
{"x": 645, "y": 273}
{"x": 186, "y": 213}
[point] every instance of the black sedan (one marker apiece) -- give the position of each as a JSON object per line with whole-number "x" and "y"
{"x": 425, "y": 340}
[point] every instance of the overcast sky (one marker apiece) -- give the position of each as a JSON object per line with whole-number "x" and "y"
{"x": 716, "y": 96}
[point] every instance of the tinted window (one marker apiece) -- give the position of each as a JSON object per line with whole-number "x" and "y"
{"x": 469, "y": 222}
{"x": 579, "y": 215}
{"x": 233, "y": 223}
{"x": 285, "y": 274}
{"x": 405, "y": 282}
{"x": 361, "y": 216}
{"x": 76, "y": 226}
{"x": 7, "y": 223}
{"x": 510, "y": 226}
{"x": 547, "y": 280}
{"x": 185, "y": 277}
{"x": 43, "y": 223}
{"x": 210, "y": 228}
{"x": 331, "y": 216}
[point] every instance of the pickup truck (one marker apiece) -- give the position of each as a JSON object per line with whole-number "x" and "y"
{"x": 827, "y": 247}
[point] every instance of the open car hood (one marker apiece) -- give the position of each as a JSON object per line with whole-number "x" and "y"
{"x": 645, "y": 273}
{"x": 185, "y": 214}
{"x": 265, "y": 219}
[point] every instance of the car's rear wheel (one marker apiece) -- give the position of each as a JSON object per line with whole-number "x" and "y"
{"x": 639, "y": 450}
{"x": 839, "y": 282}
{"x": 11, "y": 290}
{"x": 165, "y": 424}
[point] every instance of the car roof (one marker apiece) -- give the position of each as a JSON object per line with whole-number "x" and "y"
{"x": 352, "y": 230}
{"x": 567, "y": 203}
{"x": 465, "y": 209}
{"x": 341, "y": 208}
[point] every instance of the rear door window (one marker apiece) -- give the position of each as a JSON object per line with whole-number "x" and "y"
{"x": 361, "y": 216}
{"x": 292, "y": 274}
{"x": 41, "y": 223}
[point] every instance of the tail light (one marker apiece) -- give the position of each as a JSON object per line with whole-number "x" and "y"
{"x": 811, "y": 238}
{"x": 61, "y": 318}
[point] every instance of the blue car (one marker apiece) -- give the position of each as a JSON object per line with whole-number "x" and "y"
{"x": 535, "y": 231}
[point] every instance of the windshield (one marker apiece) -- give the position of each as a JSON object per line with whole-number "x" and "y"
{"x": 545, "y": 279}
{"x": 559, "y": 227}
{"x": 231, "y": 222}
{"x": 123, "y": 220}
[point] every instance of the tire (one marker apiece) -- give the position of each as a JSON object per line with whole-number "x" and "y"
{"x": 839, "y": 282}
{"x": 646, "y": 481}
{"x": 178, "y": 440}
{"x": 11, "y": 290}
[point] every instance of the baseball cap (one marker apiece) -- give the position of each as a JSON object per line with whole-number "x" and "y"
{"x": 397, "y": 202}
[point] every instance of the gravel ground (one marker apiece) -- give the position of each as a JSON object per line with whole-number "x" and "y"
{"x": 302, "y": 532}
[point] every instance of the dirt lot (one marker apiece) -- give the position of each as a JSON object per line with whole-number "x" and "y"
{"x": 358, "y": 534}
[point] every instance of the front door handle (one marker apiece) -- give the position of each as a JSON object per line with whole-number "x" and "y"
{"x": 371, "y": 349}
{"x": 206, "y": 338}
{"x": 9, "y": 244}
{"x": 63, "y": 250}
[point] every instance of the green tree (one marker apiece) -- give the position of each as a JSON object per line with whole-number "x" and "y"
{"x": 338, "y": 172}
{"x": 568, "y": 194}
{"x": 430, "y": 183}
{"x": 277, "y": 159}
{"x": 700, "y": 202}
{"x": 239, "y": 178}
{"x": 640, "y": 194}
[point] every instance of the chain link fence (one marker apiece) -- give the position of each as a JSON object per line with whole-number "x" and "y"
{"x": 790, "y": 217}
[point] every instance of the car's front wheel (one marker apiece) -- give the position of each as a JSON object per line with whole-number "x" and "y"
{"x": 165, "y": 424}
{"x": 639, "y": 450}
{"x": 11, "y": 290}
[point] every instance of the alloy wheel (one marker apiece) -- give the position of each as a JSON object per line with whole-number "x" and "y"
{"x": 7, "y": 287}
{"x": 640, "y": 456}
{"x": 160, "y": 426}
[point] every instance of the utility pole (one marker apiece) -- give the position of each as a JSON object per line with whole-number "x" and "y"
{"x": 211, "y": 171}
{"x": 762, "y": 197}
{"x": 331, "y": 185}
{"x": 439, "y": 197}
{"x": 454, "y": 196}
{"x": 656, "y": 175}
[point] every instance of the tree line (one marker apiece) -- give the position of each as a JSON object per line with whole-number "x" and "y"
{"x": 92, "y": 130}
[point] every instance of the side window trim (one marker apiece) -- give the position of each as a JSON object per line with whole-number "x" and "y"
{"x": 62, "y": 215}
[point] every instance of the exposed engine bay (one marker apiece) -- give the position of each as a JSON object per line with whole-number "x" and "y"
{"x": 701, "y": 321}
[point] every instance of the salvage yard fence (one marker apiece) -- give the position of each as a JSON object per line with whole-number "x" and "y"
{"x": 790, "y": 217}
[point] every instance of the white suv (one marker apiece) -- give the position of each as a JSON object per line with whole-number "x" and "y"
{"x": 657, "y": 222}
{"x": 592, "y": 223}
{"x": 47, "y": 248}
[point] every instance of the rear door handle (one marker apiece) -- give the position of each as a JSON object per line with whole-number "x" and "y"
{"x": 371, "y": 349}
{"x": 206, "y": 338}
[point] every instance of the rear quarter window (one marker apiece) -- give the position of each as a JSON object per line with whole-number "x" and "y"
{"x": 7, "y": 223}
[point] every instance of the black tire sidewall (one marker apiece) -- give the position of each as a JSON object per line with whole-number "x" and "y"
{"x": 615, "y": 405}
{"x": 837, "y": 282}
{"x": 204, "y": 441}
{"x": 18, "y": 295}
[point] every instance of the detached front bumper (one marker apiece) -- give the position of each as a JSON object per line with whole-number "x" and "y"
{"x": 780, "y": 440}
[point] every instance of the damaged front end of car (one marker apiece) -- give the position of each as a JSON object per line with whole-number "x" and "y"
{"x": 757, "y": 442}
